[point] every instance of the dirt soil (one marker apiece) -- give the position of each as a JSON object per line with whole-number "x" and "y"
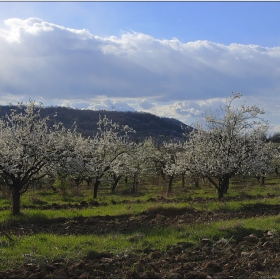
{"x": 252, "y": 254}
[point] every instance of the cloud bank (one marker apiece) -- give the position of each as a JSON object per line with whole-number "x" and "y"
{"x": 63, "y": 66}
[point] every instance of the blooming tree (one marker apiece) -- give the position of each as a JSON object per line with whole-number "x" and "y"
{"x": 28, "y": 147}
{"x": 175, "y": 163}
{"x": 92, "y": 158}
{"x": 75, "y": 163}
{"x": 226, "y": 144}
{"x": 260, "y": 157}
{"x": 168, "y": 158}
{"x": 107, "y": 146}
{"x": 276, "y": 159}
{"x": 140, "y": 166}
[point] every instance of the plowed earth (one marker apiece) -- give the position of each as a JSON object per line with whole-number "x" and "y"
{"x": 252, "y": 255}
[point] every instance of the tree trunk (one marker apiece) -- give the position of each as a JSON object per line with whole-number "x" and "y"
{"x": 158, "y": 180}
{"x": 95, "y": 188}
{"x": 221, "y": 185}
{"x": 78, "y": 181}
{"x": 88, "y": 180}
{"x": 16, "y": 201}
{"x": 220, "y": 194}
{"x": 135, "y": 183}
{"x": 196, "y": 183}
{"x": 225, "y": 184}
{"x": 183, "y": 181}
{"x": 116, "y": 181}
{"x": 170, "y": 184}
{"x": 261, "y": 180}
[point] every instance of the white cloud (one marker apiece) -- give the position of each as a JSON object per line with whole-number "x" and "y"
{"x": 60, "y": 65}
{"x": 110, "y": 105}
{"x": 188, "y": 112}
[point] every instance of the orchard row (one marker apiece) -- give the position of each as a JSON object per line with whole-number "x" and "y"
{"x": 228, "y": 142}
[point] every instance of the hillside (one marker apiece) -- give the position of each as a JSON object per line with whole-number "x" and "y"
{"x": 145, "y": 124}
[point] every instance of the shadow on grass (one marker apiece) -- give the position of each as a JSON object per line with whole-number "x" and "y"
{"x": 170, "y": 211}
{"x": 30, "y": 220}
{"x": 39, "y": 202}
{"x": 259, "y": 206}
{"x": 46, "y": 193}
{"x": 63, "y": 225}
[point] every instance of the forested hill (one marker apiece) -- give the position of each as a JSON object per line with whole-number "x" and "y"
{"x": 145, "y": 124}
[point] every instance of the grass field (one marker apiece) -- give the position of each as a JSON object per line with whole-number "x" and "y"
{"x": 72, "y": 225}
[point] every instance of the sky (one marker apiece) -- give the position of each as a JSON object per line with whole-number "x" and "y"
{"x": 172, "y": 59}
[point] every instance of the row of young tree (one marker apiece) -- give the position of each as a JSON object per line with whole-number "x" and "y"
{"x": 228, "y": 142}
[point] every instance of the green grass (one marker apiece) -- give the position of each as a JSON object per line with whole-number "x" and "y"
{"x": 238, "y": 186}
{"x": 47, "y": 247}
{"x": 34, "y": 215}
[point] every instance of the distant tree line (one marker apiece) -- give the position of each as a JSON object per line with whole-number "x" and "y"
{"x": 145, "y": 124}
